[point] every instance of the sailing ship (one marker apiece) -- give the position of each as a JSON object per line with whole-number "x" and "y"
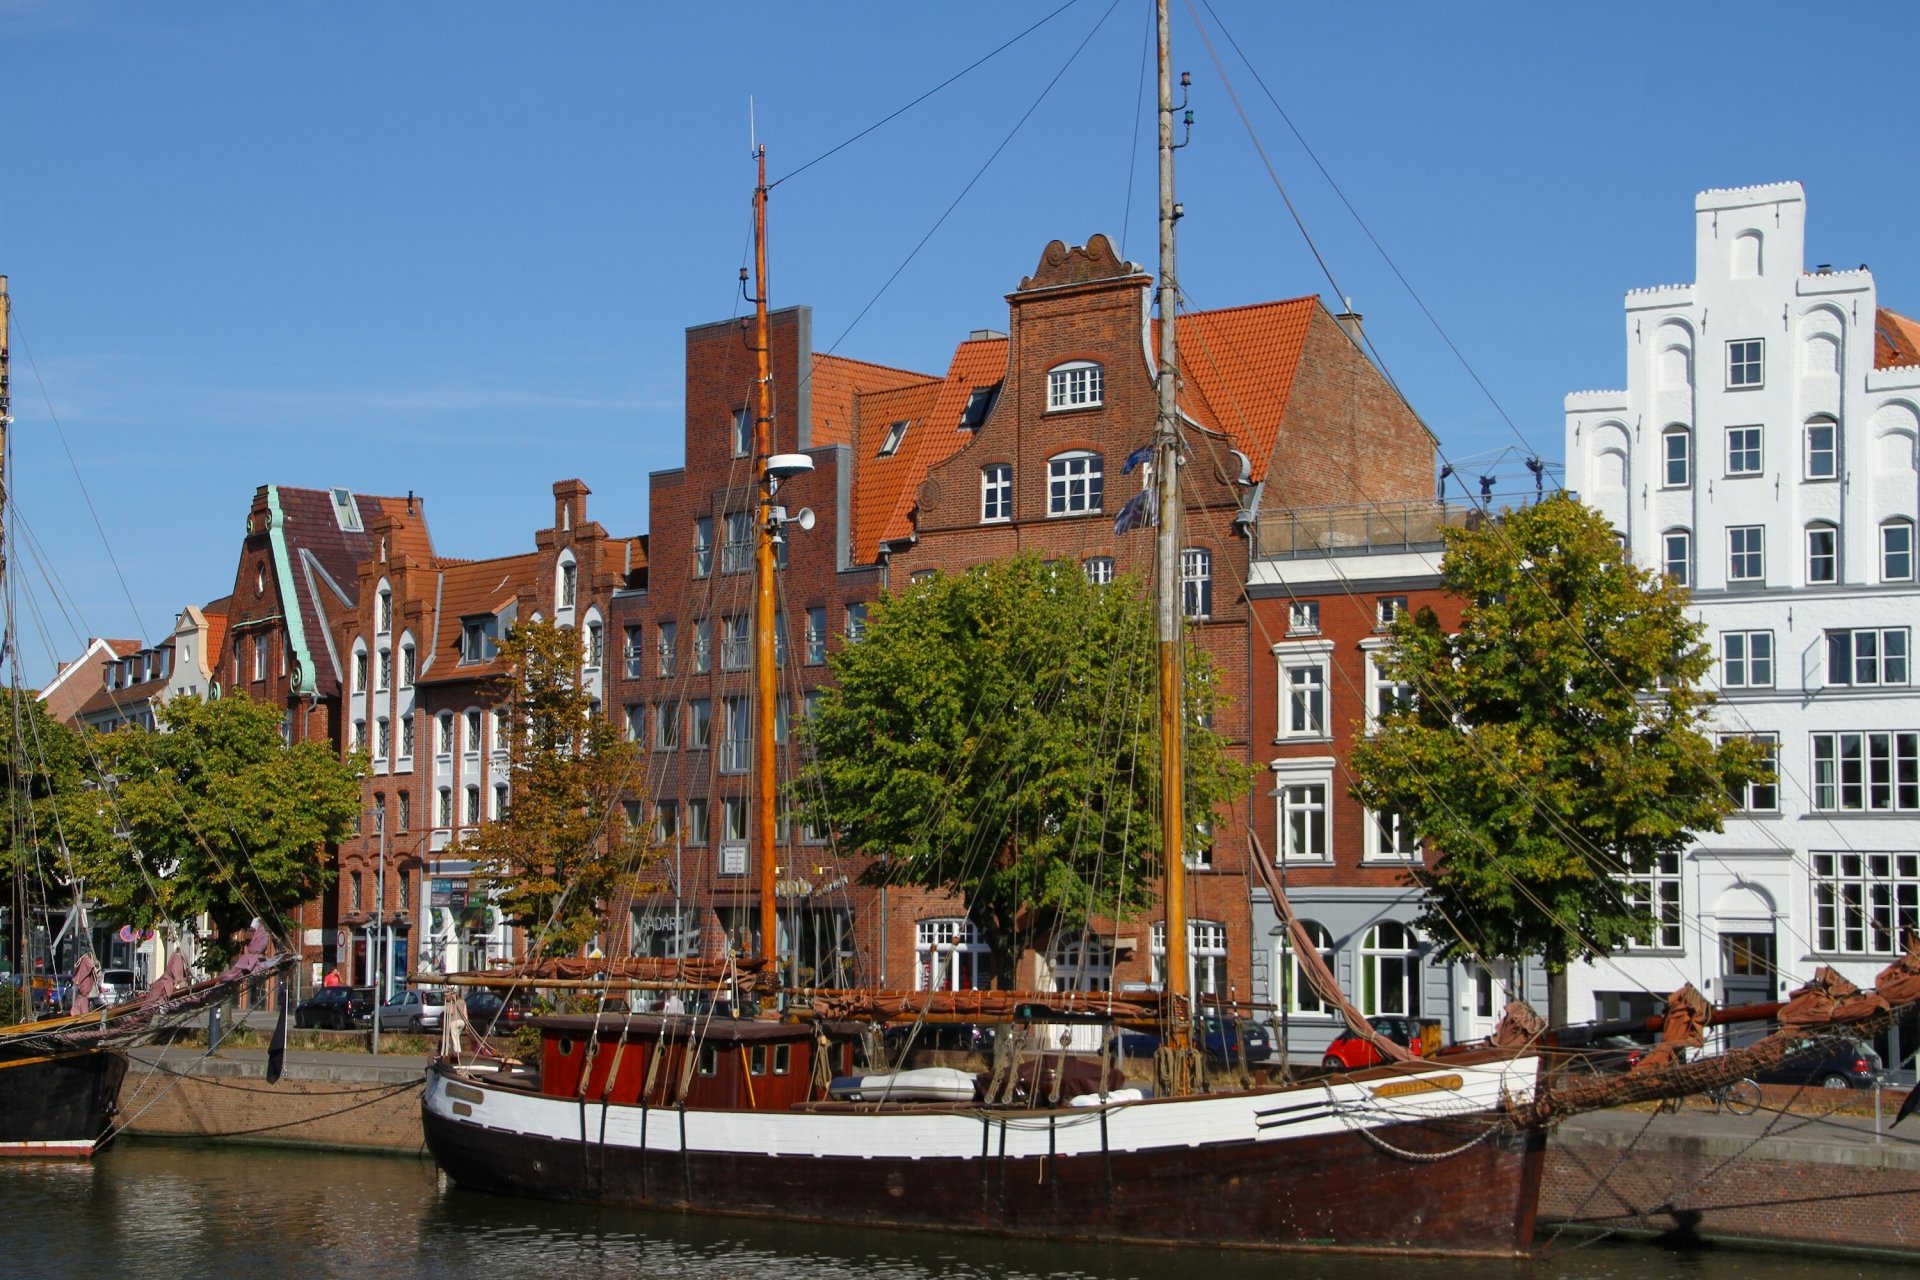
{"x": 60, "y": 1076}
{"x": 766, "y": 1117}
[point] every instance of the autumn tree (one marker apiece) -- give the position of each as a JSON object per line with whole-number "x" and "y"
{"x": 217, "y": 817}
{"x": 563, "y": 855}
{"x": 1553, "y": 747}
{"x": 993, "y": 735}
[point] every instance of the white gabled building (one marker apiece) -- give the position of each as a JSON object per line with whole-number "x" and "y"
{"x": 1764, "y": 452}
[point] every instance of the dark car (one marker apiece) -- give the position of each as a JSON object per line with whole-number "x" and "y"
{"x": 1349, "y": 1052}
{"x": 1846, "y": 1065}
{"x": 496, "y": 1015}
{"x": 341, "y": 1008}
{"x": 1225, "y": 1041}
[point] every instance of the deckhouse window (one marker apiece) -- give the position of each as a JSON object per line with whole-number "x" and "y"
{"x": 1074, "y": 483}
{"x": 1078, "y": 385}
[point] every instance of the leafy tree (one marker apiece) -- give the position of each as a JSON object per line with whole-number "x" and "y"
{"x": 993, "y": 735}
{"x": 218, "y": 816}
{"x": 1553, "y": 747}
{"x": 56, "y": 827}
{"x": 564, "y": 854}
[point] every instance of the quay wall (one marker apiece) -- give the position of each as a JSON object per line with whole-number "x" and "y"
{"x": 1847, "y": 1193}
{"x": 355, "y": 1105}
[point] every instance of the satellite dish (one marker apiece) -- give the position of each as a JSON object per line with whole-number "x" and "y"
{"x": 804, "y": 519}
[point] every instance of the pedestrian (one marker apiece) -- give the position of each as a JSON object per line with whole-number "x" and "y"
{"x": 332, "y": 979}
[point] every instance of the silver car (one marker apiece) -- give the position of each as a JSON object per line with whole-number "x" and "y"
{"x": 413, "y": 1011}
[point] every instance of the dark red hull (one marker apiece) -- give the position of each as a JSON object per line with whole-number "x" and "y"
{"x": 1342, "y": 1191}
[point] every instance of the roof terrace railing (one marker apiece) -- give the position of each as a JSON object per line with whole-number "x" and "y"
{"x": 1357, "y": 528}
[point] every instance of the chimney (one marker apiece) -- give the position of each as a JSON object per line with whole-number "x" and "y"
{"x": 1349, "y": 320}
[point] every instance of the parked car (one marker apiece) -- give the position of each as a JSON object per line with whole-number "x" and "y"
{"x": 1852, "y": 1065}
{"x": 341, "y": 1008}
{"x": 413, "y": 1011}
{"x": 497, "y": 1015}
{"x": 1224, "y": 1040}
{"x": 1349, "y": 1052}
{"x": 117, "y": 986}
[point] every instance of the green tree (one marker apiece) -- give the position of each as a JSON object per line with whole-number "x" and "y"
{"x": 56, "y": 825}
{"x": 563, "y": 858}
{"x": 218, "y": 816}
{"x": 993, "y": 735}
{"x": 1553, "y": 746}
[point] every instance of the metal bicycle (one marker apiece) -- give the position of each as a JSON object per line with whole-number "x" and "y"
{"x": 1737, "y": 1097}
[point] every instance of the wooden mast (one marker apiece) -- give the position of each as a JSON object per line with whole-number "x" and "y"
{"x": 764, "y": 782}
{"x": 1166, "y": 479}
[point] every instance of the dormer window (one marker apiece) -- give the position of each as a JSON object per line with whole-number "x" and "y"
{"x": 979, "y": 405}
{"x": 895, "y": 434}
{"x": 1078, "y": 385}
{"x": 346, "y": 512}
{"x": 477, "y": 638}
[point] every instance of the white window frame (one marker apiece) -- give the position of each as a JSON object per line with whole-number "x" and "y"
{"x": 1303, "y": 788}
{"x": 742, "y": 427}
{"x": 702, "y": 546}
{"x": 1661, "y": 891}
{"x": 1746, "y": 445}
{"x": 1876, "y": 771}
{"x": 1759, "y": 797}
{"x": 1821, "y": 461}
{"x": 996, "y": 493}
{"x": 1738, "y": 557}
{"x": 1196, "y": 582}
{"x": 1381, "y": 690}
{"x": 1077, "y": 384}
{"x": 1303, "y": 618}
{"x": 1378, "y": 984}
{"x": 1864, "y": 902}
{"x": 1823, "y": 554}
{"x": 1076, "y": 483}
{"x": 1390, "y": 838}
{"x": 1676, "y": 556}
{"x": 1296, "y": 993}
{"x": 1206, "y": 956}
{"x": 1081, "y": 962}
{"x": 1884, "y": 661}
{"x": 1305, "y": 710}
{"x": 949, "y": 955}
{"x": 1099, "y": 569}
{"x": 1746, "y": 660}
{"x": 1746, "y": 364}
{"x": 816, "y": 634}
{"x": 1676, "y": 458}
{"x": 1896, "y": 562}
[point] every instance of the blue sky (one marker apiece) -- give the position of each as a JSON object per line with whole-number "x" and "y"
{"x": 453, "y": 248}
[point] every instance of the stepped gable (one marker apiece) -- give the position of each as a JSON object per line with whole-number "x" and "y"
{"x": 1896, "y": 340}
{"x": 326, "y": 556}
{"x": 837, "y": 383}
{"x": 887, "y": 488}
{"x": 468, "y": 588}
{"x": 1237, "y": 370}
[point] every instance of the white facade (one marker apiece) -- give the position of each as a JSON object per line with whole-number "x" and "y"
{"x": 1765, "y": 450}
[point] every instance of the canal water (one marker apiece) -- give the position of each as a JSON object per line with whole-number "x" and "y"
{"x": 160, "y": 1209}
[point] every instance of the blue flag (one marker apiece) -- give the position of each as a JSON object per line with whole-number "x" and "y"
{"x": 1141, "y": 509}
{"x": 1143, "y": 454}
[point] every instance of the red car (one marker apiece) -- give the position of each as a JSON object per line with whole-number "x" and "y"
{"x": 1349, "y": 1052}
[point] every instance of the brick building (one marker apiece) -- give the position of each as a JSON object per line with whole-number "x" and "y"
{"x": 423, "y": 697}
{"x": 1018, "y": 446}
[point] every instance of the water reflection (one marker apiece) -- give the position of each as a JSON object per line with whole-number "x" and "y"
{"x": 162, "y": 1209}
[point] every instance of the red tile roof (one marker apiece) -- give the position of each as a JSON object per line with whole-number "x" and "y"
{"x": 1238, "y": 366}
{"x": 837, "y": 381}
{"x": 468, "y": 588}
{"x": 1896, "y": 340}
{"x": 886, "y": 488}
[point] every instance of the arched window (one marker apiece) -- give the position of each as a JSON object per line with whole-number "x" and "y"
{"x": 1081, "y": 962}
{"x": 1676, "y": 556}
{"x": 1078, "y": 384}
{"x": 1389, "y": 969}
{"x": 1296, "y": 993}
{"x": 1074, "y": 483}
{"x": 1896, "y": 551}
{"x": 1823, "y": 449}
{"x": 1823, "y": 554}
{"x": 949, "y": 955}
{"x": 1676, "y": 458}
